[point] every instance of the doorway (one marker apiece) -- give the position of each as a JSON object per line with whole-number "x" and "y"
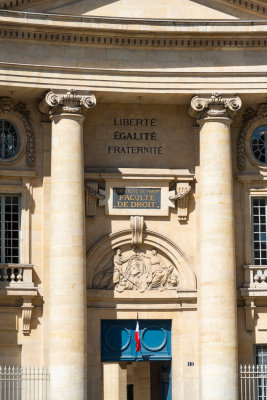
{"x": 131, "y": 374}
{"x": 150, "y": 380}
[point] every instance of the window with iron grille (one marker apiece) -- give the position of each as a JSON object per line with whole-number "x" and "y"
{"x": 10, "y": 228}
{"x": 259, "y": 215}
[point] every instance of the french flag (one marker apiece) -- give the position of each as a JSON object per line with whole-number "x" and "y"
{"x": 137, "y": 337}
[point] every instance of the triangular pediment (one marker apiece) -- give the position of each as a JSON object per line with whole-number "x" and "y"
{"x": 156, "y": 9}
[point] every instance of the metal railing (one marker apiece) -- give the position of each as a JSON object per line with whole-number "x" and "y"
{"x": 253, "y": 382}
{"x": 18, "y": 383}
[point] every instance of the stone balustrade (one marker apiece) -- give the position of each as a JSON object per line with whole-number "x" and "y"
{"x": 255, "y": 276}
{"x": 16, "y": 275}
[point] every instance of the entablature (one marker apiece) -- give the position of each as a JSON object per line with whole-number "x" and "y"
{"x": 131, "y": 32}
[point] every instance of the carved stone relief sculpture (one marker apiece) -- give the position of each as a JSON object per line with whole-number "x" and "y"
{"x": 137, "y": 270}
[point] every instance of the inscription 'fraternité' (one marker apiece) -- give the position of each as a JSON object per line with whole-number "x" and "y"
{"x": 131, "y": 130}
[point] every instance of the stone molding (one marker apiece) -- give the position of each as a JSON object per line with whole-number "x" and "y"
{"x": 71, "y": 101}
{"x": 134, "y": 41}
{"x": 131, "y": 32}
{"x": 8, "y": 105}
{"x": 251, "y": 6}
{"x": 256, "y": 7}
{"x": 214, "y": 106}
{"x": 250, "y": 117}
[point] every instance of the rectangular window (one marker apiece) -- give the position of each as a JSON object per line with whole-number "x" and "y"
{"x": 259, "y": 215}
{"x": 10, "y": 228}
{"x": 260, "y": 387}
{"x": 261, "y": 354}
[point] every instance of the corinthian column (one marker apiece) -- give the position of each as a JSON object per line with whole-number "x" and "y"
{"x": 216, "y": 275}
{"x": 67, "y": 290}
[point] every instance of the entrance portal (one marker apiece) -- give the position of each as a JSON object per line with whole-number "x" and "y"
{"x": 149, "y": 380}
{"x": 132, "y": 375}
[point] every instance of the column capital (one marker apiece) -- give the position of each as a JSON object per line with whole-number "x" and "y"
{"x": 214, "y": 106}
{"x": 71, "y": 101}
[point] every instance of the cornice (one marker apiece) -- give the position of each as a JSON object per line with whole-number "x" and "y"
{"x": 258, "y": 7}
{"x": 137, "y": 25}
{"x": 95, "y": 31}
{"x": 18, "y": 4}
{"x": 56, "y": 37}
{"x": 254, "y": 7}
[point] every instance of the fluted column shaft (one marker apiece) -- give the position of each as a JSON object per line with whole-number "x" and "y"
{"x": 67, "y": 299}
{"x": 216, "y": 276}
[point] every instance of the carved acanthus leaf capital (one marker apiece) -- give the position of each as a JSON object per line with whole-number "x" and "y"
{"x": 214, "y": 106}
{"x": 72, "y": 102}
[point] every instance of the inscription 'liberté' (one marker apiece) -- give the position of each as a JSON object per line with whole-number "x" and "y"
{"x": 132, "y": 136}
{"x": 142, "y": 198}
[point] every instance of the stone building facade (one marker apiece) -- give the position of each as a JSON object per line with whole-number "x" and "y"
{"x": 133, "y": 167}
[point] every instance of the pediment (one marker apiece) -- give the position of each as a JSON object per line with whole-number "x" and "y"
{"x": 156, "y": 9}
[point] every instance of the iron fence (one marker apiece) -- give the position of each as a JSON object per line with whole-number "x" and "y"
{"x": 24, "y": 383}
{"x": 253, "y": 382}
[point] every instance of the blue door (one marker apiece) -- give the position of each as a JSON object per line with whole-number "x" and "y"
{"x": 118, "y": 342}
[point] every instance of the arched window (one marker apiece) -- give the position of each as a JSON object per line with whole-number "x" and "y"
{"x": 9, "y": 139}
{"x": 259, "y": 143}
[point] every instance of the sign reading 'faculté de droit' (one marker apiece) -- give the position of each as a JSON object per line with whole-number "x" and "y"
{"x": 141, "y": 198}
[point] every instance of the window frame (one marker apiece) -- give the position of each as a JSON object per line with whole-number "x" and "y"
{"x": 14, "y": 119}
{"x": 254, "y": 124}
{"x": 258, "y": 162}
{"x": 25, "y": 216}
{"x": 248, "y": 241}
{"x": 2, "y": 123}
{"x": 255, "y": 352}
{"x": 3, "y": 230}
{"x": 252, "y": 227}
